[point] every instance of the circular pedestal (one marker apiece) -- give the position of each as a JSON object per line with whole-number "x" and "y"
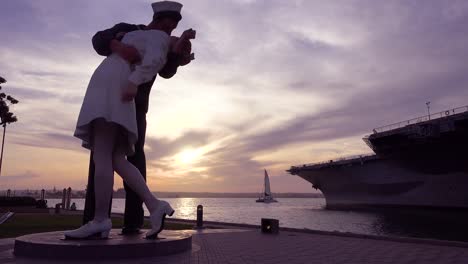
{"x": 53, "y": 245}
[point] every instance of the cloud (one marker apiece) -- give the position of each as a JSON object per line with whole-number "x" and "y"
{"x": 163, "y": 147}
{"x": 28, "y": 93}
{"x": 50, "y": 140}
{"x": 19, "y": 177}
{"x": 271, "y": 78}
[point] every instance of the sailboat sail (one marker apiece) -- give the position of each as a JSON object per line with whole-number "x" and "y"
{"x": 266, "y": 198}
{"x": 267, "y": 184}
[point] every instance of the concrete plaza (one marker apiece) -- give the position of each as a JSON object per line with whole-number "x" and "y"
{"x": 248, "y": 245}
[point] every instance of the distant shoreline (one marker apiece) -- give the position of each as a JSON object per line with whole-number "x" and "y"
{"x": 234, "y": 195}
{"x": 121, "y": 194}
{"x": 218, "y": 195}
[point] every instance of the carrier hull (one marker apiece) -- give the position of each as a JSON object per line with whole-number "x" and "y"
{"x": 383, "y": 183}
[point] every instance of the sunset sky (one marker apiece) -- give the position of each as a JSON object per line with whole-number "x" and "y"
{"x": 274, "y": 84}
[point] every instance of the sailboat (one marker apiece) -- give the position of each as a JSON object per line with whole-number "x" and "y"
{"x": 266, "y": 195}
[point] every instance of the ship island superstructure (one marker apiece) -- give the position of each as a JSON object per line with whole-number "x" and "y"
{"x": 421, "y": 162}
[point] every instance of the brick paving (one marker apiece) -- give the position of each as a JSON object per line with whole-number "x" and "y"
{"x": 250, "y": 246}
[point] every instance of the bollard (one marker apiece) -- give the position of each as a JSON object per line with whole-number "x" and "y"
{"x": 57, "y": 208}
{"x": 67, "y": 205}
{"x": 270, "y": 226}
{"x": 64, "y": 197}
{"x": 8, "y": 194}
{"x": 42, "y": 194}
{"x": 200, "y": 216}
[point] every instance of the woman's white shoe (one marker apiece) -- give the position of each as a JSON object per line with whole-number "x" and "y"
{"x": 92, "y": 229}
{"x": 157, "y": 218}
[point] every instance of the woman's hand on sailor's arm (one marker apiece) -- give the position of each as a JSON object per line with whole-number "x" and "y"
{"x": 182, "y": 44}
{"x": 188, "y": 34}
{"x": 129, "y": 91}
{"x": 183, "y": 47}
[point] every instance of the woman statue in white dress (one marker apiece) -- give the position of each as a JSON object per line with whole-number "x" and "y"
{"x": 107, "y": 120}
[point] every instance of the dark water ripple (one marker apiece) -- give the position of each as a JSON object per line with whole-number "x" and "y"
{"x": 309, "y": 213}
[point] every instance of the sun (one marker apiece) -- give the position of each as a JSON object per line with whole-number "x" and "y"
{"x": 189, "y": 156}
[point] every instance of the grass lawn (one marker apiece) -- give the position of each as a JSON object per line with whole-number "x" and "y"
{"x": 23, "y": 223}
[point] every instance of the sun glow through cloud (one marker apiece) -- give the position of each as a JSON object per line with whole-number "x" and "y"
{"x": 189, "y": 156}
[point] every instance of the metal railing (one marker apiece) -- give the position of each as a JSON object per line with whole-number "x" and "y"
{"x": 338, "y": 161}
{"x": 420, "y": 119}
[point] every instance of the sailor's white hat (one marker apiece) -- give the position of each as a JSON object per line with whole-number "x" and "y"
{"x": 166, "y": 6}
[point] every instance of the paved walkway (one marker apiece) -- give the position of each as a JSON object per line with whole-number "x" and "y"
{"x": 250, "y": 246}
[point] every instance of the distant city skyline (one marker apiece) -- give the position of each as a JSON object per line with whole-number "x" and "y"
{"x": 274, "y": 84}
{"x": 120, "y": 193}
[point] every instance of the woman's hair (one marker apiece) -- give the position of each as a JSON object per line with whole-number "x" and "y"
{"x": 167, "y": 14}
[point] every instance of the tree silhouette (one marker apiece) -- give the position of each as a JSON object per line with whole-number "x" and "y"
{"x": 6, "y": 117}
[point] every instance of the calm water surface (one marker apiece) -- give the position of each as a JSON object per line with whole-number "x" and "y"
{"x": 310, "y": 213}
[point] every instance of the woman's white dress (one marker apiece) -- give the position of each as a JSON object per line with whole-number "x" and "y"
{"x": 103, "y": 95}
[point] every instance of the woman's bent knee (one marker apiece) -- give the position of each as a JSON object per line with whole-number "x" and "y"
{"x": 118, "y": 159}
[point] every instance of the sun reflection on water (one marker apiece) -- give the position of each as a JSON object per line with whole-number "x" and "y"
{"x": 186, "y": 208}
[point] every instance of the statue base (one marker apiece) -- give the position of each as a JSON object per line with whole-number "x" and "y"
{"x": 53, "y": 245}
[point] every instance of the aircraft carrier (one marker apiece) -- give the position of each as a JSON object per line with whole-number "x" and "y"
{"x": 421, "y": 162}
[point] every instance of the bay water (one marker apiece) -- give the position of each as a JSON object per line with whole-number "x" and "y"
{"x": 309, "y": 213}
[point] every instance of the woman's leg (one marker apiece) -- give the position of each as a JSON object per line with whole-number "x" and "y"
{"x": 104, "y": 134}
{"x": 132, "y": 177}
